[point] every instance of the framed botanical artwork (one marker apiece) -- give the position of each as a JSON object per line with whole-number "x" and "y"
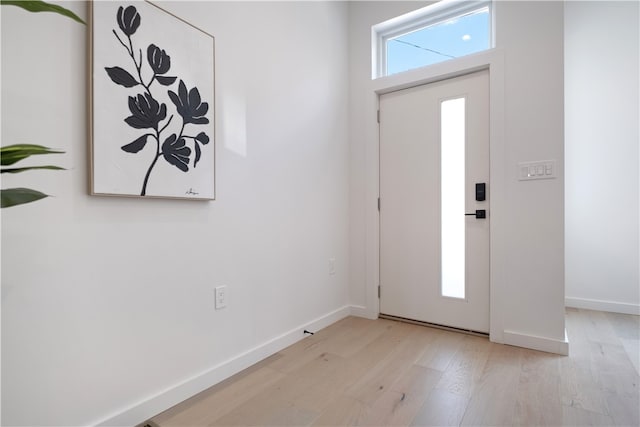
{"x": 152, "y": 103}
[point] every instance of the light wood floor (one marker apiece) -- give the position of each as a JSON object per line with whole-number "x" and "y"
{"x": 387, "y": 373}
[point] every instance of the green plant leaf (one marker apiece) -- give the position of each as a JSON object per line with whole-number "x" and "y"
{"x": 18, "y": 196}
{"x": 26, "y": 168}
{"x": 11, "y": 154}
{"x": 41, "y": 6}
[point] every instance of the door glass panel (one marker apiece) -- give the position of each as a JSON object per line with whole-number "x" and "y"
{"x": 452, "y": 143}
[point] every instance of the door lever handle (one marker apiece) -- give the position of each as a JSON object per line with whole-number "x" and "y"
{"x": 479, "y": 213}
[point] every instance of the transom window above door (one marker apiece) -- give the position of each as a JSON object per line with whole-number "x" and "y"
{"x": 439, "y": 32}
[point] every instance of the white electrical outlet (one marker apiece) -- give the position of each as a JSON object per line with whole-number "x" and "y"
{"x": 221, "y": 297}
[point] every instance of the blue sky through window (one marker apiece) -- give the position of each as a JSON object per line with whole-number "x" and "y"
{"x": 439, "y": 42}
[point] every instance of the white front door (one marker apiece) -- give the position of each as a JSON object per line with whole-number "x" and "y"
{"x": 434, "y": 149}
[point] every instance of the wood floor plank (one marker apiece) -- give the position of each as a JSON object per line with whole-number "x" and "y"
{"x": 391, "y": 409}
{"x": 466, "y": 366}
{"x": 625, "y": 410}
{"x": 493, "y": 401}
{"x": 342, "y": 411}
{"x": 306, "y": 386}
{"x": 441, "y": 408}
{"x": 538, "y": 399}
{"x": 299, "y": 395}
{"x": 215, "y": 403}
{"x": 390, "y": 368}
{"x": 613, "y": 369}
{"x": 399, "y": 405}
{"x": 355, "y": 339}
{"x": 292, "y": 359}
{"x": 417, "y": 382}
{"x": 625, "y": 325}
{"x": 292, "y": 415}
{"x": 324, "y": 383}
{"x": 267, "y": 408}
{"x": 443, "y": 347}
{"x": 308, "y": 349}
{"x": 599, "y": 329}
{"x": 572, "y": 416}
{"x": 393, "y": 333}
{"x": 579, "y": 387}
{"x": 632, "y": 348}
{"x": 476, "y": 343}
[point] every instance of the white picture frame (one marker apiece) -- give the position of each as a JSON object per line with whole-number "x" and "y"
{"x": 152, "y": 110}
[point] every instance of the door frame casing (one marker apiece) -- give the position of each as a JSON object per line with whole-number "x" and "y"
{"x": 492, "y": 60}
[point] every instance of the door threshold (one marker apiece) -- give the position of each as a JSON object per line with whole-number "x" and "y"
{"x": 434, "y": 325}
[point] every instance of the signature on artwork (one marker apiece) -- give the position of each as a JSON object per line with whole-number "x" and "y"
{"x": 191, "y": 192}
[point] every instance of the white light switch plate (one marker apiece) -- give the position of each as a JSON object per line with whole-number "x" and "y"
{"x": 543, "y": 169}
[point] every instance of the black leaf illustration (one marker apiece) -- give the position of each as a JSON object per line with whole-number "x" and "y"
{"x": 166, "y": 81}
{"x": 128, "y": 20}
{"x": 202, "y": 138}
{"x": 121, "y": 76}
{"x": 137, "y": 145}
{"x": 158, "y": 59}
{"x": 189, "y": 105}
{"x": 145, "y": 112}
{"x": 198, "y": 154}
{"x": 176, "y": 152}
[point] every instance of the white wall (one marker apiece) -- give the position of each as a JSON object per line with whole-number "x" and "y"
{"x": 602, "y": 134}
{"x": 108, "y": 302}
{"x": 528, "y": 245}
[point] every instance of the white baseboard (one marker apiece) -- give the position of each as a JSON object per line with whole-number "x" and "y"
{"x": 600, "y": 305}
{"x": 549, "y": 345}
{"x": 142, "y": 411}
